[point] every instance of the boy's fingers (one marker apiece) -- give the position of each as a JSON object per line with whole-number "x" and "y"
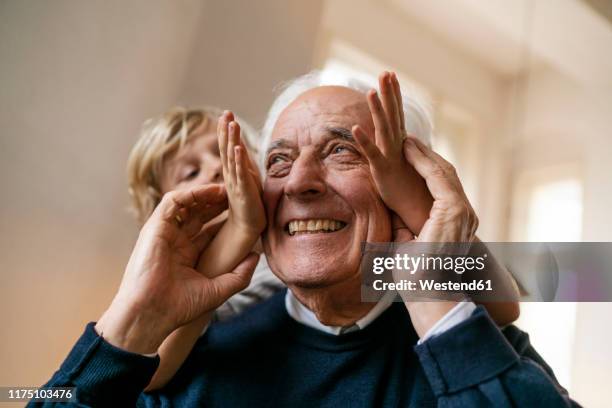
{"x": 222, "y": 140}
{"x": 248, "y": 159}
{"x": 241, "y": 166}
{"x": 234, "y": 140}
{"x": 390, "y": 104}
{"x": 400, "y": 103}
{"x": 370, "y": 149}
{"x": 249, "y": 167}
{"x": 252, "y": 165}
{"x": 381, "y": 124}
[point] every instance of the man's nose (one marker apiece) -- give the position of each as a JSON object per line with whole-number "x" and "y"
{"x": 306, "y": 179}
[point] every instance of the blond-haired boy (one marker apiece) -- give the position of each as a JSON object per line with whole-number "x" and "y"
{"x": 190, "y": 147}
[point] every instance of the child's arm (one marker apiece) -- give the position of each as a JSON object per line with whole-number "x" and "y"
{"x": 233, "y": 242}
{"x": 394, "y": 176}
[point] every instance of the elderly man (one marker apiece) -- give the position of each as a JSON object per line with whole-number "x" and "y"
{"x": 315, "y": 344}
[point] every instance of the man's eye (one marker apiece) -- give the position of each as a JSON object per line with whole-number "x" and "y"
{"x": 278, "y": 165}
{"x": 341, "y": 149}
{"x": 274, "y": 159}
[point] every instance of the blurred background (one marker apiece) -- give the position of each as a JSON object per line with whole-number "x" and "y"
{"x": 521, "y": 91}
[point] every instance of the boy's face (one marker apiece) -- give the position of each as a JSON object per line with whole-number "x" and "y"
{"x": 196, "y": 163}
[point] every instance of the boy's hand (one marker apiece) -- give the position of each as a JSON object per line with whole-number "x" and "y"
{"x": 402, "y": 189}
{"x": 241, "y": 178}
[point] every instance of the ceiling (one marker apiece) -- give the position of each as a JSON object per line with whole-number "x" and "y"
{"x": 603, "y": 7}
{"x": 507, "y": 36}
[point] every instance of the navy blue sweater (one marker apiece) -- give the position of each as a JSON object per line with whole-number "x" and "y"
{"x": 265, "y": 358}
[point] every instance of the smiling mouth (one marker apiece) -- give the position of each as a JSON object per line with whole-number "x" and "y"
{"x": 313, "y": 226}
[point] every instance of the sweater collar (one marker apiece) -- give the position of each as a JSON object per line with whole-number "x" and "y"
{"x": 302, "y": 314}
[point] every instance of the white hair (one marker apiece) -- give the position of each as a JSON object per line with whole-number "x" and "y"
{"x": 417, "y": 116}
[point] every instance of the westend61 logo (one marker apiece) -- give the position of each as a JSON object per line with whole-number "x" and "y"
{"x": 428, "y": 273}
{"x": 488, "y": 271}
{"x": 412, "y": 264}
{"x": 436, "y": 271}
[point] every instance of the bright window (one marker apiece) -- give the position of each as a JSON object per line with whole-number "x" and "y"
{"x": 552, "y": 208}
{"x": 555, "y": 212}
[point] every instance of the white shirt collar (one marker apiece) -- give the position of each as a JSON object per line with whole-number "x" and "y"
{"x": 302, "y": 314}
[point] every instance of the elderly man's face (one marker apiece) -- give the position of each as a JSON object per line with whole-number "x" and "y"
{"x": 320, "y": 198}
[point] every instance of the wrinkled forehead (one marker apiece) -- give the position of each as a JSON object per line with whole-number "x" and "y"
{"x": 320, "y": 108}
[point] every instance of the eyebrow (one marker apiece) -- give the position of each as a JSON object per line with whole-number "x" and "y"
{"x": 336, "y": 132}
{"x": 279, "y": 144}
{"x": 342, "y": 133}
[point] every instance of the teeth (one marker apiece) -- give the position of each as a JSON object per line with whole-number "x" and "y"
{"x": 325, "y": 225}
{"x": 313, "y": 225}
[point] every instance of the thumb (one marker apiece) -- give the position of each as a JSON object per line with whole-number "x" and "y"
{"x": 224, "y": 286}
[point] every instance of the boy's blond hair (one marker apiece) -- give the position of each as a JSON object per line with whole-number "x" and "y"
{"x": 161, "y": 137}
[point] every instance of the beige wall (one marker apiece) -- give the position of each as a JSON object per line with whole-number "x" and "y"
{"x": 77, "y": 79}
